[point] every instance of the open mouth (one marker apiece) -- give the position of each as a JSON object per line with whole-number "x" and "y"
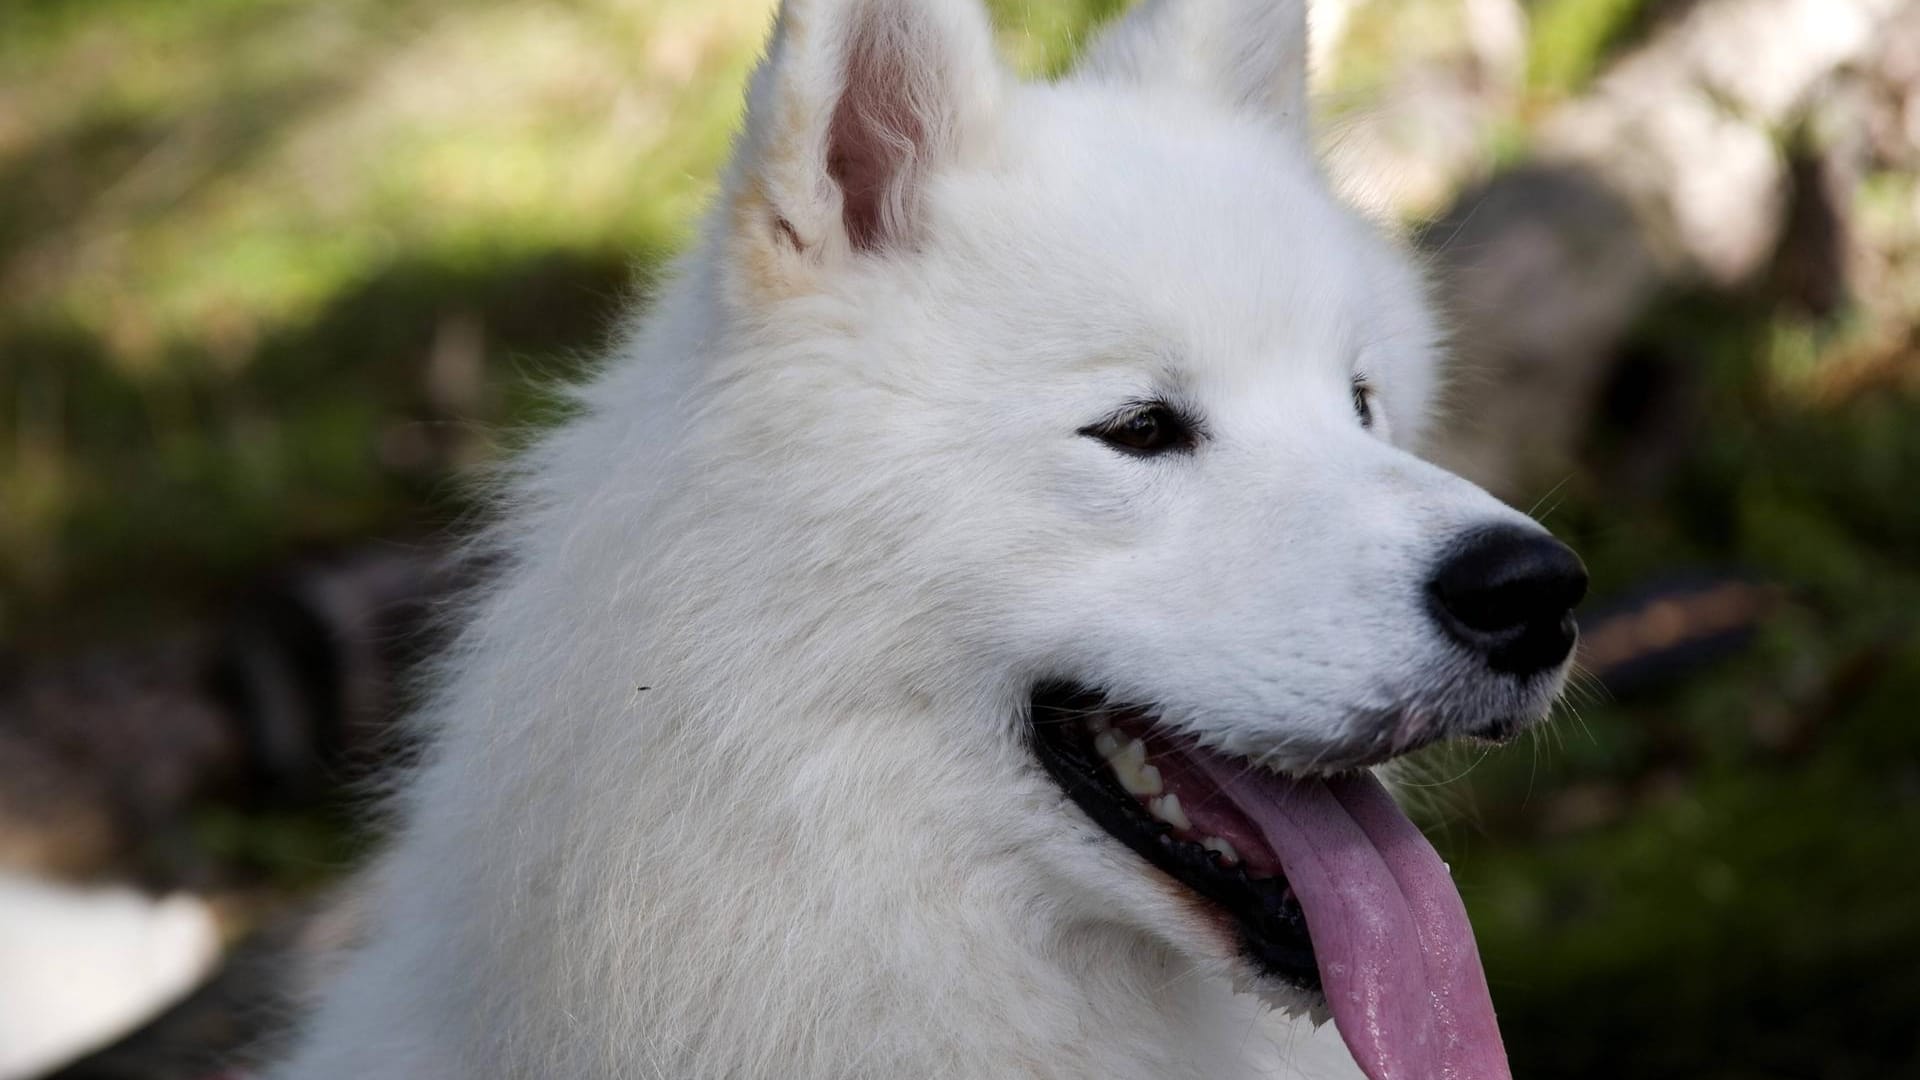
{"x": 1329, "y": 886}
{"x": 1143, "y": 788}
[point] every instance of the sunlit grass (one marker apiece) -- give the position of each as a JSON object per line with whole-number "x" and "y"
{"x": 1572, "y": 38}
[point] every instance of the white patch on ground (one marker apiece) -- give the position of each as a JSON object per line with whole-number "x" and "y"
{"x": 80, "y": 966}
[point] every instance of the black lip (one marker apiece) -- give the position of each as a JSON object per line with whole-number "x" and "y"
{"x": 1273, "y": 929}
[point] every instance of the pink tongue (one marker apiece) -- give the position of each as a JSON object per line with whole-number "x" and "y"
{"x": 1397, "y": 959}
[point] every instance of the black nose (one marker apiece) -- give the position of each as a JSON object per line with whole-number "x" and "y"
{"x": 1508, "y": 593}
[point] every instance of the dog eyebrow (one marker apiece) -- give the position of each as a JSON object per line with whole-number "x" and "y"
{"x": 1175, "y": 383}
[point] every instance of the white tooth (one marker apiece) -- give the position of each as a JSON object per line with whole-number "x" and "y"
{"x": 1221, "y": 848}
{"x": 1135, "y": 753}
{"x": 1167, "y": 809}
{"x": 1107, "y": 744}
{"x": 1150, "y": 774}
{"x": 1137, "y": 779}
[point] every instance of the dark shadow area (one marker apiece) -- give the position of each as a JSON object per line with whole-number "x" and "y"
{"x": 348, "y": 426}
{"x": 1712, "y": 877}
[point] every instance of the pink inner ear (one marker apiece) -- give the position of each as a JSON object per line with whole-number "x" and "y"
{"x": 876, "y": 133}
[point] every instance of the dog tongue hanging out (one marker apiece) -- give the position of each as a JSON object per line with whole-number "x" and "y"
{"x": 1011, "y": 513}
{"x": 1342, "y": 877}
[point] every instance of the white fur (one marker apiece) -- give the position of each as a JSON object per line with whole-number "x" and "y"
{"x": 829, "y": 506}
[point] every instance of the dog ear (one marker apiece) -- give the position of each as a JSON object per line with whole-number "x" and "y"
{"x": 856, "y": 103}
{"x": 1249, "y": 54}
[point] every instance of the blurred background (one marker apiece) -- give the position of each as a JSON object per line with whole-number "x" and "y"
{"x": 276, "y": 274}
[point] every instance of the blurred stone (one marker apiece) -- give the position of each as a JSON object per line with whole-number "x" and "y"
{"x": 1541, "y": 271}
{"x": 82, "y": 966}
{"x": 1688, "y": 126}
{"x": 1864, "y": 130}
{"x": 314, "y": 667}
{"x": 106, "y": 754}
{"x": 104, "y": 749}
{"x": 1671, "y": 170}
{"x": 235, "y": 1017}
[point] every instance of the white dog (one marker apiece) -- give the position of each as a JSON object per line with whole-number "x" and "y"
{"x": 951, "y": 638}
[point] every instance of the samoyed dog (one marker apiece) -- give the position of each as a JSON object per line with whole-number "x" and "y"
{"x": 954, "y": 635}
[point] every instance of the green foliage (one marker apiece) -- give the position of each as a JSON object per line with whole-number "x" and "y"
{"x": 246, "y": 248}
{"x": 1571, "y": 38}
{"x": 295, "y": 851}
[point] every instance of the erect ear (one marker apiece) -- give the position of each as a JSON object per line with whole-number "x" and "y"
{"x": 856, "y": 103}
{"x": 1247, "y": 54}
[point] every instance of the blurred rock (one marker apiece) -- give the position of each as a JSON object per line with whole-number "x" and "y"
{"x": 81, "y": 966}
{"x": 1689, "y": 125}
{"x": 1730, "y": 150}
{"x": 102, "y": 750}
{"x": 1864, "y": 131}
{"x": 106, "y": 754}
{"x": 235, "y": 1017}
{"x": 314, "y": 668}
{"x": 1541, "y": 272}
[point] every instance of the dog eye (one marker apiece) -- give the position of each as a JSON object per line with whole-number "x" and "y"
{"x": 1146, "y": 430}
{"x": 1363, "y": 401}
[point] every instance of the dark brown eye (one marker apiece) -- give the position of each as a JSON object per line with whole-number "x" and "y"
{"x": 1145, "y": 430}
{"x": 1363, "y": 401}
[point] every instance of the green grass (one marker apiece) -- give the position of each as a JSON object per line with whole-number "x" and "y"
{"x": 1571, "y": 39}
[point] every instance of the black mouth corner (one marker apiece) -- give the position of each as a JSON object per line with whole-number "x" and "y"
{"x": 1271, "y": 925}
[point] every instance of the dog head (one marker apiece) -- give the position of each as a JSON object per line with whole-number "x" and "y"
{"x": 1094, "y": 406}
